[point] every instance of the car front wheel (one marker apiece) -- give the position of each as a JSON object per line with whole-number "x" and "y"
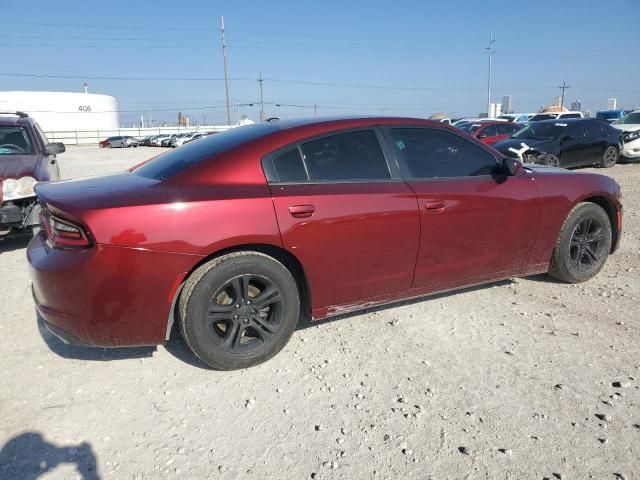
{"x": 239, "y": 310}
{"x": 583, "y": 244}
{"x": 610, "y": 157}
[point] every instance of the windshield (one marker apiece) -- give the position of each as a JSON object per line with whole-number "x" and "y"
{"x": 170, "y": 163}
{"x": 629, "y": 119}
{"x": 541, "y": 131}
{"x": 14, "y": 141}
{"x": 607, "y": 115}
{"x": 543, "y": 116}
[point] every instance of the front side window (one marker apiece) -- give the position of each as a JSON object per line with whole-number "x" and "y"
{"x": 439, "y": 154}
{"x": 14, "y": 141}
{"x": 344, "y": 157}
{"x": 507, "y": 129}
{"x": 489, "y": 131}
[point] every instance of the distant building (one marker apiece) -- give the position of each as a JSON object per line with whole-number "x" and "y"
{"x": 64, "y": 110}
{"x": 612, "y": 104}
{"x": 507, "y": 107}
{"x": 576, "y": 106}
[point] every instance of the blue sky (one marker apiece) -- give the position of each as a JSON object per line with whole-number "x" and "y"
{"x": 358, "y": 57}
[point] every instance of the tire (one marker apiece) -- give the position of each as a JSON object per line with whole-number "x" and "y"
{"x": 583, "y": 244}
{"x": 225, "y": 333}
{"x": 610, "y": 157}
{"x": 551, "y": 160}
{"x": 109, "y": 145}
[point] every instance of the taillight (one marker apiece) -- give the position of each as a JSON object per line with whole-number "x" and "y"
{"x": 63, "y": 233}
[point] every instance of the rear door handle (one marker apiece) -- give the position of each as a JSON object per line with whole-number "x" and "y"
{"x": 302, "y": 211}
{"x": 434, "y": 207}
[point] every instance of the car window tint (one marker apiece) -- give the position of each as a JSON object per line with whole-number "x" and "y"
{"x": 489, "y": 131}
{"x": 576, "y": 132}
{"x": 14, "y": 141}
{"x": 506, "y": 129}
{"x": 288, "y": 167}
{"x": 570, "y": 115}
{"x": 346, "y": 156}
{"x": 430, "y": 153}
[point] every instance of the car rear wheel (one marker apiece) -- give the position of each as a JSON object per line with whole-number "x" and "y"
{"x": 583, "y": 244}
{"x": 108, "y": 145}
{"x": 239, "y": 310}
{"x": 610, "y": 157}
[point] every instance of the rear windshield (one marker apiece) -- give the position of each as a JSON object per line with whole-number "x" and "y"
{"x": 14, "y": 141}
{"x": 170, "y": 163}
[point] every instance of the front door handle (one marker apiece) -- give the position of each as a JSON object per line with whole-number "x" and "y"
{"x": 302, "y": 211}
{"x": 434, "y": 207}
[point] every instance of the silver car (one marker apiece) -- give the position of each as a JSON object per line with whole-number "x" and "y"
{"x": 120, "y": 142}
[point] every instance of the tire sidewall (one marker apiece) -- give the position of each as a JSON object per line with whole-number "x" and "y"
{"x": 587, "y": 210}
{"x": 194, "y": 323}
{"x": 604, "y": 156}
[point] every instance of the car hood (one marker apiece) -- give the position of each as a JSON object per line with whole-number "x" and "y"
{"x": 542, "y": 146}
{"x": 627, "y": 127}
{"x": 17, "y": 166}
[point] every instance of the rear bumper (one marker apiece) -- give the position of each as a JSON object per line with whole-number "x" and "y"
{"x": 105, "y": 296}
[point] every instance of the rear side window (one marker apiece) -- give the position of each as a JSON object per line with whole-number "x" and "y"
{"x": 345, "y": 156}
{"x": 489, "y": 131}
{"x": 288, "y": 167}
{"x": 430, "y": 153}
{"x": 594, "y": 129}
{"x": 507, "y": 129}
{"x": 570, "y": 115}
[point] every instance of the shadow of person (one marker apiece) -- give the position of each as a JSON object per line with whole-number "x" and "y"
{"x": 28, "y": 456}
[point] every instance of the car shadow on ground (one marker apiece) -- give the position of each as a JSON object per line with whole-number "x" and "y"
{"x": 79, "y": 352}
{"x": 29, "y": 456}
{"x": 11, "y": 244}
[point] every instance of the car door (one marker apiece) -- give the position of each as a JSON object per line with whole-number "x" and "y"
{"x": 477, "y": 224}
{"x": 572, "y": 148}
{"x": 351, "y": 221}
{"x": 595, "y": 141}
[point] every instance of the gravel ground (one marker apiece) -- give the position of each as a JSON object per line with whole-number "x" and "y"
{"x": 514, "y": 380}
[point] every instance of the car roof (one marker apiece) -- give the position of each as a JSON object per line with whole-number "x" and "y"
{"x": 568, "y": 120}
{"x": 11, "y": 119}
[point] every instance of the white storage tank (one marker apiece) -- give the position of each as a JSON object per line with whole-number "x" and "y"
{"x": 64, "y": 111}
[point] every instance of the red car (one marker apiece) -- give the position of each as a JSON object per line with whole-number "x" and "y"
{"x": 238, "y": 235}
{"x": 490, "y": 132}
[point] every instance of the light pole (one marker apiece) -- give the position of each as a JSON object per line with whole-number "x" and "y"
{"x": 491, "y": 52}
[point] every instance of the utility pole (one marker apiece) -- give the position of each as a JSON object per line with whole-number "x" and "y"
{"x": 261, "y": 98}
{"x": 226, "y": 80}
{"x": 563, "y": 87}
{"x": 491, "y": 52}
{"x": 315, "y": 110}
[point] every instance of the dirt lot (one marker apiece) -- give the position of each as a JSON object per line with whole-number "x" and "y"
{"x": 508, "y": 381}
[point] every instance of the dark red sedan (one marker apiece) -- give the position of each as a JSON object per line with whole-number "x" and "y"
{"x": 238, "y": 235}
{"x": 490, "y": 132}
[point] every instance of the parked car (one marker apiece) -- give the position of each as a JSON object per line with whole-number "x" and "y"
{"x": 565, "y": 143}
{"x": 26, "y": 158}
{"x": 273, "y": 221}
{"x": 119, "y": 142}
{"x": 490, "y": 132}
{"x": 630, "y": 126}
{"x": 146, "y": 141}
{"x": 196, "y": 137}
{"x": 611, "y": 115}
{"x": 156, "y": 141}
{"x": 183, "y": 138}
{"x": 166, "y": 142}
{"x": 520, "y": 118}
{"x": 555, "y": 116}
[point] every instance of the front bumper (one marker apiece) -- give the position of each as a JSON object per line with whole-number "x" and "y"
{"x": 105, "y": 296}
{"x": 631, "y": 150}
{"x": 18, "y": 215}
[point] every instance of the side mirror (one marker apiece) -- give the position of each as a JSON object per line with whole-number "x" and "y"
{"x": 510, "y": 166}
{"x": 55, "y": 148}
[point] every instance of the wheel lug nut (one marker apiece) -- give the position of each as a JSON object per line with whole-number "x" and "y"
{"x": 253, "y": 311}
{"x": 237, "y": 305}
{"x": 248, "y": 302}
{"x": 235, "y": 317}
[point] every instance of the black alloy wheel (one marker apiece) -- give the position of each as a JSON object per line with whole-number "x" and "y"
{"x": 551, "y": 160}
{"x": 245, "y": 313}
{"x": 587, "y": 244}
{"x": 610, "y": 157}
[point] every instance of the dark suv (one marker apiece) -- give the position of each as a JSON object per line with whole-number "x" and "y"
{"x": 26, "y": 158}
